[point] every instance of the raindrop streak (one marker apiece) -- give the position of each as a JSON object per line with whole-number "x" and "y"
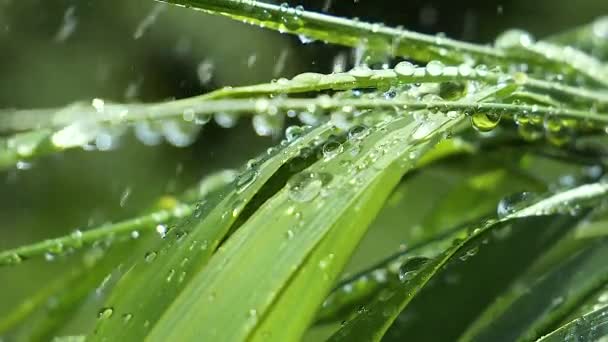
{"x": 69, "y": 25}
{"x": 204, "y": 71}
{"x": 150, "y": 19}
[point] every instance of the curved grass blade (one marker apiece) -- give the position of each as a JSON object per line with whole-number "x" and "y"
{"x": 354, "y": 292}
{"x": 173, "y": 109}
{"x": 115, "y": 232}
{"x": 41, "y": 317}
{"x": 391, "y": 41}
{"x": 468, "y": 196}
{"x": 166, "y": 271}
{"x": 23, "y": 146}
{"x": 588, "y": 328}
{"x": 596, "y": 301}
{"x": 295, "y": 240}
{"x": 394, "y": 41}
{"x": 371, "y": 324}
{"x": 590, "y": 38}
{"x": 532, "y": 305}
{"x": 169, "y": 210}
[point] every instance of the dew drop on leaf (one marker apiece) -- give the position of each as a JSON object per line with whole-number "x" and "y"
{"x": 305, "y": 186}
{"x": 225, "y": 120}
{"x": 358, "y": 132}
{"x": 484, "y": 121}
{"x": 126, "y": 318}
{"x": 161, "y": 229}
{"x": 245, "y": 179}
{"x": 405, "y": 69}
{"x": 150, "y": 256}
{"x": 361, "y": 71}
{"x": 308, "y": 78}
{"x": 435, "y": 68}
{"x": 293, "y": 132}
{"x": 465, "y": 70}
{"x": 105, "y": 313}
{"x": 332, "y": 149}
{"x": 514, "y": 39}
{"x": 512, "y": 203}
{"x": 481, "y": 70}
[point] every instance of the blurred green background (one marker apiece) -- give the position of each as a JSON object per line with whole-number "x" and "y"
{"x": 53, "y": 53}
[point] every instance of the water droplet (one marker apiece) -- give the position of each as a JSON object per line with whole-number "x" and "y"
{"x": 520, "y": 78}
{"x": 465, "y": 70}
{"x": 361, "y": 71}
{"x": 514, "y": 39}
{"x": 161, "y": 229}
{"x": 179, "y": 133}
{"x": 245, "y": 179}
{"x": 127, "y": 317}
{"x": 470, "y": 253}
{"x": 325, "y": 262}
{"x": 332, "y": 149}
{"x": 253, "y": 313}
{"x": 293, "y": 132}
{"x": 150, "y": 256}
{"x": 481, "y": 70}
{"x": 380, "y": 275}
{"x": 226, "y": 120}
{"x": 435, "y": 68}
{"x": 405, "y": 69}
{"x": 105, "y": 313}
{"x": 75, "y": 135}
{"x": 290, "y": 234}
{"x": 291, "y": 17}
{"x": 358, "y": 132}
{"x": 405, "y": 275}
{"x": 77, "y": 237}
{"x": 13, "y": 259}
{"x": 485, "y": 121}
{"x": 527, "y": 129}
{"x": 305, "y": 186}
{"x": 512, "y": 203}
{"x": 308, "y": 78}
{"x": 556, "y": 130}
{"x": 266, "y": 125}
{"x": 170, "y": 275}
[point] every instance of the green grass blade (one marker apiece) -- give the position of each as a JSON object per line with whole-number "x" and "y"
{"x": 391, "y": 41}
{"x": 236, "y": 302}
{"x": 533, "y": 305}
{"x": 179, "y": 259}
{"x": 373, "y": 323}
{"x": 588, "y": 328}
{"x": 469, "y": 190}
{"x": 590, "y": 38}
{"x": 170, "y": 209}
